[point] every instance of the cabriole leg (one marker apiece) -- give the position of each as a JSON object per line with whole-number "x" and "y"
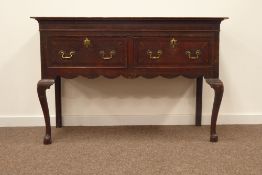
{"x": 41, "y": 90}
{"x": 218, "y": 87}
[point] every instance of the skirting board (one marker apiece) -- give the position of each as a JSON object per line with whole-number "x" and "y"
{"x": 25, "y": 121}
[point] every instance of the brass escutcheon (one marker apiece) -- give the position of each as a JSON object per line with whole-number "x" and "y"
{"x": 87, "y": 42}
{"x": 173, "y": 42}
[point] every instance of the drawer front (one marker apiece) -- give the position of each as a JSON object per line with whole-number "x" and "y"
{"x": 172, "y": 51}
{"x": 81, "y": 51}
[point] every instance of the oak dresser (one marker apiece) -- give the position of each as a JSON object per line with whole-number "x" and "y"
{"x": 129, "y": 47}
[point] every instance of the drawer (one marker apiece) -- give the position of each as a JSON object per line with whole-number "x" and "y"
{"x": 172, "y": 51}
{"x": 82, "y": 51}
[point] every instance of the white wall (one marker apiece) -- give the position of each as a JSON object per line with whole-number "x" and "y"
{"x": 120, "y": 99}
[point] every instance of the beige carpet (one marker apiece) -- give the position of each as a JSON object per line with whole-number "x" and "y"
{"x": 132, "y": 150}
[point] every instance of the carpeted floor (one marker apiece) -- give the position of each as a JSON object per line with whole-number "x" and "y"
{"x": 132, "y": 150}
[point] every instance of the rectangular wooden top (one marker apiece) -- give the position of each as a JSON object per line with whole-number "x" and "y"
{"x": 130, "y": 18}
{"x": 129, "y": 23}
